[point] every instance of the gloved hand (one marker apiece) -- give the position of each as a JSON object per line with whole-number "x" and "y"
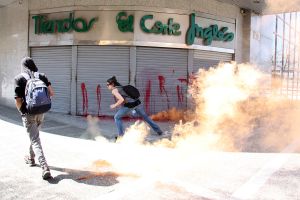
{"x": 23, "y": 110}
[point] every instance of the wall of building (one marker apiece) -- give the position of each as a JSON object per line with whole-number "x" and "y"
{"x": 262, "y": 41}
{"x": 14, "y": 20}
{"x": 13, "y": 46}
{"x": 206, "y": 6}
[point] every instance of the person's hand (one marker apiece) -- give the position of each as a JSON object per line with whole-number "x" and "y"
{"x": 23, "y": 110}
{"x": 112, "y": 106}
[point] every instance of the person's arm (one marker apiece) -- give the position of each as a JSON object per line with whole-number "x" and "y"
{"x": 119, "y": 98}
{"x": 21, "y": 106}
{"x": 19, "y": 92}
{"x": 51, "y": 91}
{"x": 19, "y": 102}
{"x": 44, "y": 78}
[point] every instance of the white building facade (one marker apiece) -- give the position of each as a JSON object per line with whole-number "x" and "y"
{"x": 154, "y": 45}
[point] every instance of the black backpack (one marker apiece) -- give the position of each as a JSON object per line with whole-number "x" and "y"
{"x": 131, "y": 91}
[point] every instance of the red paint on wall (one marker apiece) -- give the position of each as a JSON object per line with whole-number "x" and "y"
{"x": 147, "y": 96}
{"x": 180, "y": 95}
{"x": 84, "y": 99}
{"x": 98, "y": 92}
{"x": 162, "y": 88}
{"x": 162, "y": 81}
{"x": 183, "y": 80}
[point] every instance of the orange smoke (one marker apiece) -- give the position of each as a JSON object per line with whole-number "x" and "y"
{"x": 170, "y": 115}
{"x": 230, "y": 111}
{"x": 233, "y": 111}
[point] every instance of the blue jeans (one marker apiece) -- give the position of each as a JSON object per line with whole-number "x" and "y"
{"x": 139, "y": 112}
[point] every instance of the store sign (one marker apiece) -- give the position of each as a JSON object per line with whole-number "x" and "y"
{"x": 136, "y": 27}
{"x": 43, "y": 25}
{"x": 170, "y": 28}
{"x": 125, "y": 24}
{"x": 207, "y": 34}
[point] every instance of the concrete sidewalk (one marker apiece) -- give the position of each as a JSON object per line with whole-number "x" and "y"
{"x": 78, "y": 126}
{"x": 88, "y": 169}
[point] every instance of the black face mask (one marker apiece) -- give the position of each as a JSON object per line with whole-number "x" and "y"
{"x": 28, "y": 64}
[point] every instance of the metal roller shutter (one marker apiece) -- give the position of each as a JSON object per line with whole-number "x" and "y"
{"x": 56, "y": 63}
{"x": 206, "y": 59}
{"x": 162, "y": 78}
{"x": 95, "y": 65}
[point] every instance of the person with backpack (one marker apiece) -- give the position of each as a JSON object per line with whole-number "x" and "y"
{"x": 127, "y": 98}
{"x": 32, "y": 97}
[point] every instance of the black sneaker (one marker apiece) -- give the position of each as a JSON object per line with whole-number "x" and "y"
{"x": 29, "y": 161}
{"x": 159, "y": 133}
{"x": 164, "y": 134}
{"x": 46, "y": 174}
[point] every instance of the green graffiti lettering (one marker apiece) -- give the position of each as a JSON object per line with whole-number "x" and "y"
{"x": 37, "y": 21}
{"x": 190, "y": 34}
{"x": 172, "y": 28}
{"x": 207, "y": 34}
{"x": 215, "y": 29}
{"x": 92, "y": 22}
{"x": 159, "y": 27}
{"x": 228, "y": 37}
{"x": 43, "y": 25}
{"x": 79, "y": 25}
{"x": 47, "y": 27}
{"x": 67, "y": 23}
{"x": 199, "y": 31}
{"x": 125, "y": 24}
{"x": 176, "y": 29}
{"x": 220, "y": 35}
{"x": 142, "y": 23}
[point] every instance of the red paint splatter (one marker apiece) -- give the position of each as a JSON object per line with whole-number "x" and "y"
{"x": 147, "y": 96}
{"x": 191, "y": 78}
{"x": 98, "y": 92}
{"x": 180, "y": 95}
{"x": 183, "y": 80}
{"x": 84, "y": 99}
{"x": 162, "y": 88}
{"x": 162, "y": 81}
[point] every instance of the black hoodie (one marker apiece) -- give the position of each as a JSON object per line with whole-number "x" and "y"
{"x": 28, "y": 64}
{"x": 20, "y": 81}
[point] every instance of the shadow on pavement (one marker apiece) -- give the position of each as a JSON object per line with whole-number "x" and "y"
{"x": 85, "y": 177}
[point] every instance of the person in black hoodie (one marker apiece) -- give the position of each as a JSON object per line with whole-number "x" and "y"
{"x": 32, "y": 122}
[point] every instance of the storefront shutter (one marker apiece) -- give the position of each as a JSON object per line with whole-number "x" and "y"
{"x": 162, "y": 78}
{"x": 206, "y": 59}
{"x": 56, "y": 63}
{"x": 95, "y": 65}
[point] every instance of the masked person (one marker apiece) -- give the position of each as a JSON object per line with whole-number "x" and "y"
{"x": 126, "y": 104}
{"x": 32, "y": 122}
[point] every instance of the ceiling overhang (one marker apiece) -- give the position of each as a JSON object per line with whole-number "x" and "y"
{"x": 257, "y": 6}
{"x": 266, "y": 7}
